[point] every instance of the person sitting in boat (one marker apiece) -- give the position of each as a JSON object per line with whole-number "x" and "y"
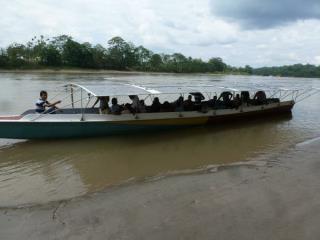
{"x": 167, "y": 107}
{"x": 104, "y": 104}
{"x": 126, "y": 109}
{"x": 260, "y": 98}
{"x": 42, "y": 104}
{"x": 226, "y": 99}
{"x": 142, "y": 107}
{"x": 156, "y": 105}
{"x": 188, "y": 104}
{"x": 237, "y": 101}
{"x": 198, "y": 98}
{"x": 115, "y": 107}
{"x": 245, "y": 98}
{"x": 212, "y": 102}
{"x": 135, "y": 103}
{"x": 179, "y": 104}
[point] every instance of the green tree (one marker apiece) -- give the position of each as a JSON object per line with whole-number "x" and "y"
{"x": 17, "y": 55}
{"x": 156, "y": 62}
{"x": 4, "y": 59}
{"x": 216, "y": 65}
{"x": 143, "y": 57}
{"x": 248, "y": 69}
{"x": 122, "y": 54}
{"x": 59, "y": 42}
{"x": 87, "y": 56}
{"x": 178, "y": 62}
{"x": 296, "y": 70}
{"x": 50, "y": 56}
{"x": 76, "y": 54}
{"x": 100, "y": 56}
{"x": 64, "y": 51}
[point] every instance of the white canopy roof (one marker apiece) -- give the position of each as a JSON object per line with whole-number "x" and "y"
{"x": 114, "y": 89}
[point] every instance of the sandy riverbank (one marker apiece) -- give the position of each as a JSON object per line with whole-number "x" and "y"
{"x": 278, "y": 198}
{"x": 96, "y": 71}
{"x": 69, "y": 71}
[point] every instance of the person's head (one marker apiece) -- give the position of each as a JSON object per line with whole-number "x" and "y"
{"x": 114, "y": 101}
{"x": 180, "y": 99}
{"x": 44, "y": 95}
{"x": 156, "y": 100}
{"x": 132, "y": 96}
{"x": 189, "y": 98}
{"x": 105, "y": 98}
{"x": 215, "y": 98}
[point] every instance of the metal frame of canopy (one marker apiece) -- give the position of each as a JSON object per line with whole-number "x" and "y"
{"x": 116, "y": 90}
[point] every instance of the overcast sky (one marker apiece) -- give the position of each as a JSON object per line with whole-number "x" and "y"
{"x": 254, "y": 32}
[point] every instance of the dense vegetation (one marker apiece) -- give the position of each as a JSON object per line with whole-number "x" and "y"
{"x": 297, "y": 70}
{"x": 64, "y": 52}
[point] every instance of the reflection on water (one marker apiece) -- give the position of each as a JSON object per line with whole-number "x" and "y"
{"x": 40, "y": 171}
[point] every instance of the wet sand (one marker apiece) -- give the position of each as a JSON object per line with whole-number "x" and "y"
{"x": 273, "y": 197}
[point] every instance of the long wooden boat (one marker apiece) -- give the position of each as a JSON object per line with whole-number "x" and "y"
{"x": 84, "y": 121}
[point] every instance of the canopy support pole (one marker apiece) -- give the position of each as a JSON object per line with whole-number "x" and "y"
{"x": 82, "y": 111}
{"x": 72, "y": 98}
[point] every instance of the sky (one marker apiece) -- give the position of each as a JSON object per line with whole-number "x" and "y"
{"x": 241, "y": 32}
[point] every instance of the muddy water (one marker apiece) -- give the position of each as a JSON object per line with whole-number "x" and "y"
{"x": 42, "y": 171}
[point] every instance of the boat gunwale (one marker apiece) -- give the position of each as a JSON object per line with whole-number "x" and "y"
{"x": 147, "y": 116}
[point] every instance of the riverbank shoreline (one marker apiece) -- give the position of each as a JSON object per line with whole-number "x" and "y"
{"x": 71, "y": 71}
{"x": 97, "y": 71}
{"x": 276, "y": 200}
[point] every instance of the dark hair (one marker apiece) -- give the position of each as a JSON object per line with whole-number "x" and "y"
{"x": 106, "y": 98}
{"x": 43, "y": 92}
{"x": 114, "y": 101}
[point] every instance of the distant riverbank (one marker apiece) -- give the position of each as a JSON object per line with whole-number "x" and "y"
{"x": 105, "y": 71}
{"x": 66, "y": 71}
{"x": 64, "y": 52}
{"x": 97, "y": 71}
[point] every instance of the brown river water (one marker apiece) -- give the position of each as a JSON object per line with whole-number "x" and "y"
{"x": 33, "y": 172}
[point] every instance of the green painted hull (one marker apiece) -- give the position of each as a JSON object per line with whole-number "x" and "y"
{"x": 46, "y": 130}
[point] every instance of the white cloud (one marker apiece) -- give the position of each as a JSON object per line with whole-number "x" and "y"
{"x": 317, "y": 60}
{"x": 262, "y": 46}
{"x": 169, "y": 26}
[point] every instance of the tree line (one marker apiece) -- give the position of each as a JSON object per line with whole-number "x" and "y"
{"x": 64, "y": 52}
{"x": 297, "y": 70}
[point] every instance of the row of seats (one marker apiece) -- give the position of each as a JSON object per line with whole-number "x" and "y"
{"x": 194, "y": 102}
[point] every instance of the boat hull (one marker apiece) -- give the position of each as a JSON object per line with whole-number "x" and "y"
{"x": 74, "y": 129}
